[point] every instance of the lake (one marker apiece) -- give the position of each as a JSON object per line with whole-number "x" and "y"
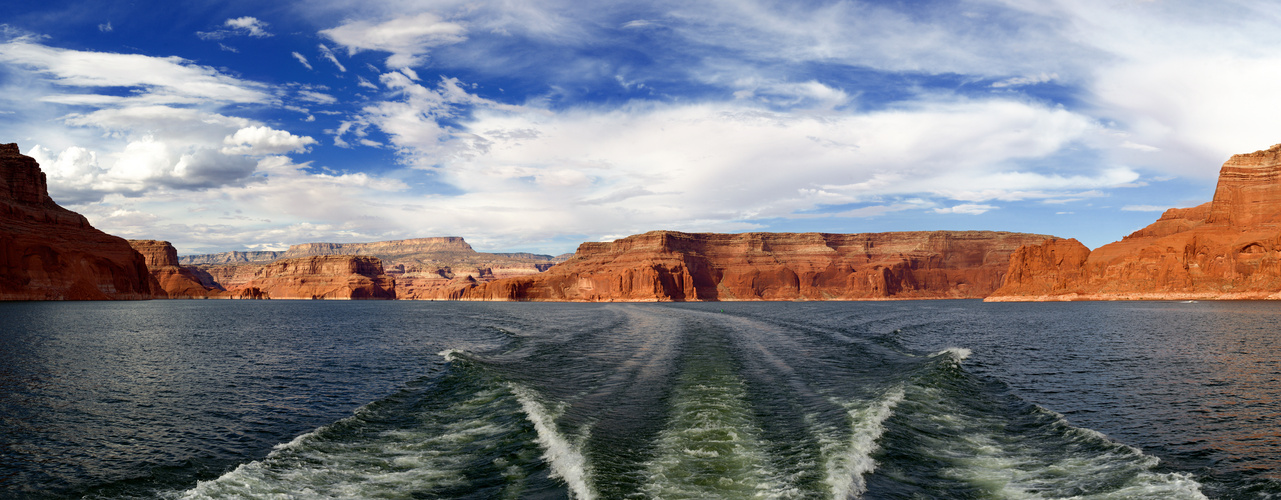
{"x": 873, "y": 400}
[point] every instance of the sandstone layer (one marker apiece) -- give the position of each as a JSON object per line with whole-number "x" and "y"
{"x": 1229, "y": 248}
{"x": 320, "y": 277}
{"x": 421, "y": 267}
{"x": 176, "y": 281}
{"x": 230, "y": 258}
{"x": 50, "y": 253}
{"x": 674, "y": 266}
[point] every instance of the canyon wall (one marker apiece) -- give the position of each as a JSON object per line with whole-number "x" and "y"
{"x": 1229, "y": 248}
{"x": 176, "y": 281}
{"x": 421, "y": 267}
{"x": 230, "y": 258}
{"x": 674, "y": 266}
{"x": 50, "y": 253}
{"x": 319, "y": 277}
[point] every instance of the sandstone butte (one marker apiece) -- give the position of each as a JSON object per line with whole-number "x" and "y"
{"x": 1229, "y": 248}
{"x": 50, "y": 253}
{"x": 176, "y": 282}
{"x": 420, "y": 266}
{"x": 311, "y": 277}
{"x": 674, "y": 266}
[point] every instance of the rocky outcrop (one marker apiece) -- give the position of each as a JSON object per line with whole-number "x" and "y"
{"x": 176, "y": 281}
{"x": 674, "y": 266}
{"x": 1229, "y": 248}
{"x": 320, "y": 277}
{"x": 421, "y": 267}
{"x": 441, "y": 245}
{"x": 230, "y": 258}
{"x": 50, "y": 253}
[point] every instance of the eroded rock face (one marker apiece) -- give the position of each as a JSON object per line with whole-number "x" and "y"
{"x": 674, "y": 266}
{"x": 176, "y": 281}
{"x": 50, "y": 253}
{"x": 421, "y": 267}
{"x": 320, "y": 277}
{"x": 1229, "y": 248}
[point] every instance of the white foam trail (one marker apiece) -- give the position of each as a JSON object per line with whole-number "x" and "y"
{"x": 846, "y": 465}
{"x": 567, "y": 462}
{"x": 957, "y": 353}
{"x": 450, "y": 354}
{"x": 1007, "y": 467}
{"x": 436, "y": 454}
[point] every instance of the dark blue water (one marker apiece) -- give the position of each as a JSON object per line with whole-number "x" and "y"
{"x": 923, "y": 399}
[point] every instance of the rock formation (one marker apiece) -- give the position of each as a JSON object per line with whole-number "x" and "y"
{"x": 176, "y": 282}
{"x": 1229, "y": 248}
{"x": 229, "y": 258}
{"x": 674, "y": 266}
{"x": 420, "y": 266}
{"x": 50, "y": 253}
{"x": 320, "y": 277}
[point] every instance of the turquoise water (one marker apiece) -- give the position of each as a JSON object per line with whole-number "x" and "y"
{"x": 925, "y": 399}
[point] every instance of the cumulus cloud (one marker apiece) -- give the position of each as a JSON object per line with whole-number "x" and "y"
{"x": 721, "y": 166}
{"x": 164, "y": 134}
{"x": 407, "y": 38}
{"x": 264, "y": 141}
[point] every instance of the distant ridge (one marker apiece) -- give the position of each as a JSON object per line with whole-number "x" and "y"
{"x": 229, "y": 258}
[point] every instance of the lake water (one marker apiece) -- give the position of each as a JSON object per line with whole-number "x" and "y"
{"x": 873, "y": 400}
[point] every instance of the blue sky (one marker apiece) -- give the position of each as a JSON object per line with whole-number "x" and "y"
{"x": 532, "y": 126}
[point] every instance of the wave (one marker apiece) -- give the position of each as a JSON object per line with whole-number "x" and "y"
{"x": 849, "y": 461}
{"x": 566, "y": 459}
{"x": 989, "y": 443}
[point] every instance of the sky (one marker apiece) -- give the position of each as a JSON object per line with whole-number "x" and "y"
{"x": 534, "y": 126}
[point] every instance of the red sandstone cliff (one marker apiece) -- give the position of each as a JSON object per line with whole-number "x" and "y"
{"x": 50, "y": 253}
{"x": 421, "y": 267}
{"x": 1229, "y": 248}
{"x": 319, "y": 277}
{"x": 176, "y": 282}
{"x": 673, "y": 266}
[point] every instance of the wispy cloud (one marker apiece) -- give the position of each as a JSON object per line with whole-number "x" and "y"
{"x": 329, "y": 54}
{"x": 407, "y": 38}
{"x": 240, "y": 26}
{"x": 302, "y": 59}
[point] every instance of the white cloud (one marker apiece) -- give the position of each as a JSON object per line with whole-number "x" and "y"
{"x": 316, "y": 97}
{"x": 239, "y": 26}
{"x": 329, "y": 54}
{"x": 260, "y": 141}
{"x": 1019, "y": 81}
{"x": 407, "y": 38}
{"x": 106, "y": 27}
{"x": 720, "y": 166}
{"x": 249, "y": 25}
{"x": 966, "y": 208}
{"x": 302, "y": 59}
{"x": 360, "y": 80}
{"x": 157, "y": 79}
